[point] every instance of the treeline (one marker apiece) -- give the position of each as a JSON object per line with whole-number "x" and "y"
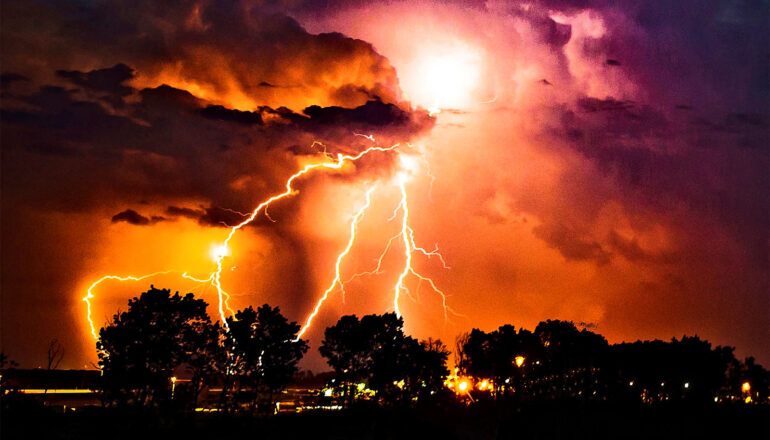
{"x": 246, "y": 362}
{"x": 557, "y": 361}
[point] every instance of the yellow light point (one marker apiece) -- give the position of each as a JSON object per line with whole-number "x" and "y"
{"x": 337, "y": 164}
{"x": 519, "y": 361}
{"x": 90, "y": 294}
{"x": 338, "y": 266}
{"x": 746, "y": 387}
{"x": 463, "y": 386}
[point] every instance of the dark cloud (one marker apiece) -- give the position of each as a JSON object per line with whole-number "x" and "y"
{"x": 167, "y": 142}
{"x": 224, "y": 114}
{"x": 221, "y": 217}
{"x": 176, "y": 211}
{"x": 132, "y": 217}
{"x": 591, "y": 105}
{"x": 236, "y": 54}
{"x": 572, "y": 244}
{"x": 8, "y": 78}
{"x": 111, "y": 80}
{"x": 370, "y": 115}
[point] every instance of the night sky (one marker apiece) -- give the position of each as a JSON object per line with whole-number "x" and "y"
{"x": 596, "y": 161}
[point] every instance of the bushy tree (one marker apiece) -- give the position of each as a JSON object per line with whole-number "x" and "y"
{"x": 264, "y": 352}
{"x": 143, "y": 346}
{"x": 375, "y": 351}
{"x": 424, "y": 369}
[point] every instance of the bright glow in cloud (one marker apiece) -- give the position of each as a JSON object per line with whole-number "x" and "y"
{"x": 219, "y": 251}
{"x": 443, "y": 76}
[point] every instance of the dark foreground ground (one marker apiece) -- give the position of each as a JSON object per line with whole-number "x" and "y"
{"x": 543, "y": 421}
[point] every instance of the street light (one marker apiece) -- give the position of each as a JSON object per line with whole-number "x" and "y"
{"x": 173, "y": 386}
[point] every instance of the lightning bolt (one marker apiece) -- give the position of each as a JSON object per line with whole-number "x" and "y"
{"x": 337, "y": 267}
{"x": 406, "y": 236}
{"x": 336, "y": 165}
{"x": 90, "y": 294}
{"x": 365, "y": 136}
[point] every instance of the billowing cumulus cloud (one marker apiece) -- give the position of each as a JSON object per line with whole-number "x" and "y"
{"x": 617, "y": 151}
{"x": 231, "y": 53}
{"x": 596, "y": 161}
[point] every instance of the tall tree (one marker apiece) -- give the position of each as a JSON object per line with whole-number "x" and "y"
{"x": 141, "y": 349}
{"x": 375, "y": 351}
{"x": 424, "y": 369}
{"x": 264, "y": 352}
{"x": 348, "y": 351}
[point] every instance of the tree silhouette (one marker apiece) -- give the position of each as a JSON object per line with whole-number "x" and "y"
{"x": 264, "y": 352}
{"x": 423, "y": 365}
{"x": 660, "y": 370}
{"x": 477, "y": 359}
{"x": 758, "y": 379}
{"x": 141, "y": 349}
{"x": 574, "y": 358}
{"x": 494, "y": 356}
{"x": 55, "y": 354}
{"x": 207, "y": 360}
{"x": 374, "y": 351}
{"x": 348, "y": 352}
{"x": 6, "y": 362}
{"x": 459, "y": 354}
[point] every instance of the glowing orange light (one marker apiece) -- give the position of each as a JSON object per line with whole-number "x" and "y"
{"x": 746, "y": 387}
{"x": 463, "y": 385}
{"x": 519, "y": 361}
